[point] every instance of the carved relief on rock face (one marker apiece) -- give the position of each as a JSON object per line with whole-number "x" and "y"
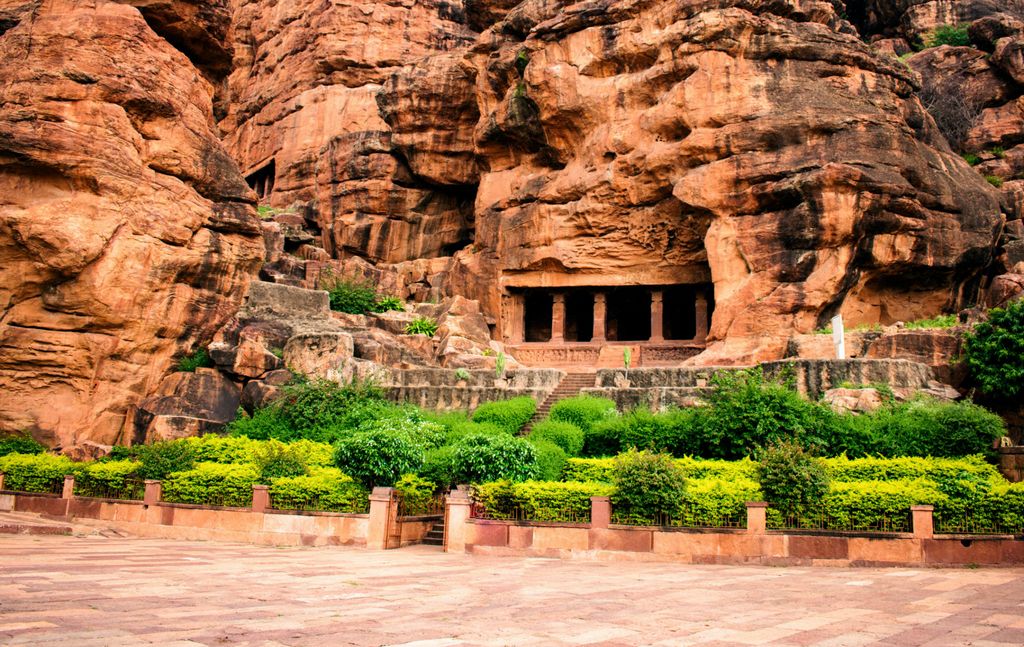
{"x": 125, "y": 231}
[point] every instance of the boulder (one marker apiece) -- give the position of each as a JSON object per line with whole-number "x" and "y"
{"x": 186, "y": 404}
{"x": 320, "y": 354}
{"x": 854, "y": 400}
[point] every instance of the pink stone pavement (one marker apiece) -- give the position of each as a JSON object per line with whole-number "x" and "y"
{"x": 81, "y": 591}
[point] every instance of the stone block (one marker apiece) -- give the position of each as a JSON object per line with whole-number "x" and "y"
{"x": 884, "y": 551}
{"x": 272, "y": 300}
{"x": 487, "y": 534}
{"x": 636, "y": 541}
{"x": 520, "y": 537}
{"x": 818, "y": 547}
{"x": 548, "y": 537}
{"x": 323, "y": 354}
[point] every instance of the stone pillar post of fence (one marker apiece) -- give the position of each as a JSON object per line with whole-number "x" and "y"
{"x": 154, "y": 492}
{"x": 260, "y": 498}
{"x": 1, "y": 480}
{"x": 69, "y": 487}
{"x": 457, "y": 508}
{"x": 600, "y": 511}
{"x": 757, "y": 517}
{"x": 923, "y": 521}
{"x": 379, "y": 526}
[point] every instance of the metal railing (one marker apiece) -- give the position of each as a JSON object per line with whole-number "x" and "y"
{"x": 970, "y": 524}
{"x": 34, "y": 485}
{"x": 223, "y": 498}
{"x": 421, "y": 507}
{"x": 687, "y": 517}
{"x": 568, "y": 515}
{"x": 819, "y": 519}
{"x": 128, "y": 490}
{"x": 319, "y": 502}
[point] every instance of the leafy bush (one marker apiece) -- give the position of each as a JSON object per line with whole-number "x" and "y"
{"x": 160, "y": 459}
{"x": 439, "y": 467}
{"x": 325, "y": 489}
{"x": 583, "y": 411}
{"x": 993, "y": 351}
{"x": 97, "y": 479}
{"x": 564, "y": 434}
{"x": 417, "y": 493}
{"x": 941, "y": 321}
{"x": 972, "y": 159}
{"x": 932, "y": 428}
{"x": 791, "y": 478}
{"x": 508, "y": 415}
{"x": 671, "y": 432}
{"x": 422, "y": 326}
{"x": 34, "y": 472}
{"x": 277, "y": 460}
{"x": 955, "y": 35}
{"x": 378, "y": 458}
{"x": 942, "y": 471}
{"x": 410, "y": 423}
{"x": 648, "y": 485}
{"x": 478, "y": 458}
{"x": 212, "y": 484}
{"x": 353, "y": 295}
{"x": 540, "y": 501}
{"x": 388, "y": 303}
{"x": 264, "y": 424}
{"x": 995, "y": 181}
{"x": 550, "y": 459}
{"x": 714, "y": 499}
{"x": 20, "y": 444}
{"x": 198, "y": 359}
{"x": 462, "y": 374}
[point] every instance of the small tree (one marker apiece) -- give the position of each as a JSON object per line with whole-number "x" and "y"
{"x": 648, "y": 486}
{"x": 790, "y": 477}
{"x": 378, "y": 458}
{"x": 993, "y": 350}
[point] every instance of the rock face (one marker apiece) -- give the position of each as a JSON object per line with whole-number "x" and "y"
{"x": 126, "y": 231}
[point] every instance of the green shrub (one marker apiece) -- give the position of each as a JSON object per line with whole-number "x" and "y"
{"x": 325, "y": 489}
{"x": 993, "y": 351}
{"x": 410, "y": 423}
{"x": 648, "y": 485}
{"x": 34, "y": 472}
{"x": 995, "y": 181}
{"x": 955, "y": 35}
{"x": 378, "y": 458}
{"x": 972, "y": 159}
{"x": 941, "y": 321}
{"x": 353, "y": 295}
{"x": 388, "y": 303}
{"x": 160, "y": 459}
{"x": 748, "y": 411}
{"x": 20, "y": 444}
{"x": 422, "y": 326}
{"x": 564, "y": 434}
{"x": 583, "y": 411}
{"x": 932, "y": 428}
{"x": 790, "y": 477}
{"x": 277, "y": 460}
{"x": 439, "y": 467}
{"x": 589, "y": 470}
{"x": 264, "y": 424}
{"x": 509, "y": 415}
{"x": 710, "y": 501}
{"x": 479, "y": 458}
{"x": 942, "y": 471}
{"x": 417, "y": 493}
{"x": 539, "y": 501}
{"x": 462, "y": 374}
{"x": 198, "y": 359}
{"x": 874, "y": 504}
{"x": 212, "y": 484}
{"x": 604, "y": 438}
{"x": 100, "y": 478}
{"x": 550, "y": 459}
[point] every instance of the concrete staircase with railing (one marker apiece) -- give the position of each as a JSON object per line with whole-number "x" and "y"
{"x": 570, "y": 386}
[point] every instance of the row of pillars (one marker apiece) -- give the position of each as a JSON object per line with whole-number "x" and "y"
{"x": 601, "y": 314}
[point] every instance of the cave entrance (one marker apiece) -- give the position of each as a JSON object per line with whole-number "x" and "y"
{"x": 629, "y": 314}
{"x": 537, "y": 311}
{"x": 579, "y": 316}
{"x": 262, "y": 180}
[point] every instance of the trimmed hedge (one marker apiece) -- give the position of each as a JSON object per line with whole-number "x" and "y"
{"x": 325, "y": 489}
{"x": 35, "y": 472}
{"x": 508, "y": 415}
{"x": 540, "y": 501}
{"x": 417, "y": 494}
{"x": 564, "y": 434}
{"x": 101, "y": 479}
{"x": 583, "y": 411}
{"x": 550, "y": 459}
{"x": 212, "y": 484}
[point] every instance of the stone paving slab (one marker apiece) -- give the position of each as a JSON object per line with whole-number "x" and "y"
{"x": 94, "y": 590}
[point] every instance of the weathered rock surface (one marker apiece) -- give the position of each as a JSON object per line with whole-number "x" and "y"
{"x": 126, "y": 231}
{"x": 186, "y": 404}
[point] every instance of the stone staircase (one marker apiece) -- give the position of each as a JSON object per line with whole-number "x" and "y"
{"x": 570, "y": 386}
{"x": 435, "y": 536}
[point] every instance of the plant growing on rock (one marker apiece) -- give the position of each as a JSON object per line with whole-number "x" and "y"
{"x": 352, "y": 295}
{"x": 790, "y": 477}
{"x": 993, "y": 350}
{"x": 422, "y": 326}
{"x": 499, "y": 365}
{"x": 198, "y": 359}
{"x": 388, "y": 303}
{"x": 20, "y": 444}
{"x": 954, "y": 35}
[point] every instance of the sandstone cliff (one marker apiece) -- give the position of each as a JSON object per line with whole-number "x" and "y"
{"x": 126, "y": 232}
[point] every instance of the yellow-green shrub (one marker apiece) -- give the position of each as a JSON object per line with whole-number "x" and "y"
{"x": 99, "y": 479}
{"x": 34, "y": 472}
{"x": 540, "y": 500}
{"x": 212, "y": 484}
{"x": 325, "y": 489}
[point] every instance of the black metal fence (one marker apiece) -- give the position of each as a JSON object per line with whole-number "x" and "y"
{"x": 687, "y": 517}
{"x": 319, "y": 502}
{"x": 569, "y": 515}
{"x": 421, "y": 506}
{"x": 972, "y": 524}
{"x": 820, "y": 519}
{"x": 128, "y": 490}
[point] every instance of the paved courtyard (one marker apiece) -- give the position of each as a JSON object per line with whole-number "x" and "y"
{"x": 94, "y": 590}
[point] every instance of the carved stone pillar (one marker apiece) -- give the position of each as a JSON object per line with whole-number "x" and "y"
{"x": 657, "y": 316}
{"x": 600, "y": 314}
{"x": 558, "y": 319}
{"x": 516, "y": 312}
{"x": 702, "y": 317}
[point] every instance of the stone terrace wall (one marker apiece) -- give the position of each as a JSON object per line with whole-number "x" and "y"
{"x": 437, "y": 388}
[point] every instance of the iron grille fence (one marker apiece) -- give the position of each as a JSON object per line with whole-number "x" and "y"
{"x": 35, "y": 485}
{"x": 689, "y": 517}
{"x": 128, "y": 490}
{"x": 319, "y": 502}
{"x": 420, "y": 506}
{"x": 971, "y": 524}
{"x": 568, "y": 515}
{"x": 821, "y": 519}
{"x": 222, "y": 498}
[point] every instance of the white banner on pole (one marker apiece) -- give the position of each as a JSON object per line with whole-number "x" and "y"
{"x": 838, "y": 337}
